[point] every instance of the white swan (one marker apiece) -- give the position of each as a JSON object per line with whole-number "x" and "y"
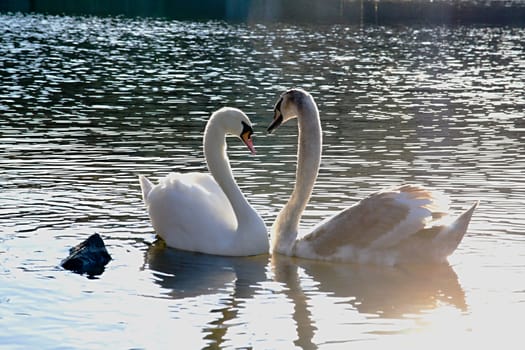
{"x": 399, "y": 225}
{"x": 208, "y": 213}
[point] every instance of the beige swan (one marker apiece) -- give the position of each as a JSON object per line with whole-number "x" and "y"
{"x": 399, "y": 225}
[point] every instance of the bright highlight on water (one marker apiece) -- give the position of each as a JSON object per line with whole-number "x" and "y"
{"x": 88, "y": 103}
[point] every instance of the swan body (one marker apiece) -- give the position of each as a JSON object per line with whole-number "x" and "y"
{"x": 208, "y": 213}
{"x": 399, "y": 225}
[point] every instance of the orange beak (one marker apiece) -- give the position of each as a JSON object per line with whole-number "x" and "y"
{"x": 248, "y": 141}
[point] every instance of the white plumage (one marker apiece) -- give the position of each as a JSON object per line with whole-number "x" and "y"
{"x": 208, "y": 213}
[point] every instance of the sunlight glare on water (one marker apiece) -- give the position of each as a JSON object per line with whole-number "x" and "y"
{"x": 87, "y": 104}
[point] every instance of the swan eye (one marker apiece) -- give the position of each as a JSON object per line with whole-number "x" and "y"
{"x": 246, "y": 132}
{"x": 277, "y": 116}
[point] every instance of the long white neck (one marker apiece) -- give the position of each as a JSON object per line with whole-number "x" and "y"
{"x": 219, "y": 167}
{"x": 286, "y": 226}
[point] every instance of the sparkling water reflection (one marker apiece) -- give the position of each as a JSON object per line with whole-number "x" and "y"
{"x": 89, "y": 103}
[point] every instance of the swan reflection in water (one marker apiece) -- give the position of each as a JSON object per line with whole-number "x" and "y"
{"x": 187, "y": 274}
{"x": 388, "y": 292}
{"x": 377, "y": 291}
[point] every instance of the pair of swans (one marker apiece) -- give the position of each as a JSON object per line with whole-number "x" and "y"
{"x": 209, "y": 214}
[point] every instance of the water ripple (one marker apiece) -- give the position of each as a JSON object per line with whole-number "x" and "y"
{"x": 89, "y": 103}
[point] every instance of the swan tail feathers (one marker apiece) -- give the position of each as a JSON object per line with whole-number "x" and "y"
{"x": 461, "y": 223}
{"x": 146, "y": 187}
{"x": 453, "y": 233}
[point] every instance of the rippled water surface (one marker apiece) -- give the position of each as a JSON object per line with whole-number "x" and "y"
{"x": 87, "y": 104}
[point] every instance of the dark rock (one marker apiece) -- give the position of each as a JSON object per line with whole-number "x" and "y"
{"x": 89, "y": 257}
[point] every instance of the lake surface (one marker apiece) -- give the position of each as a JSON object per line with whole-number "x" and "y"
{"x": 89, "y": 103}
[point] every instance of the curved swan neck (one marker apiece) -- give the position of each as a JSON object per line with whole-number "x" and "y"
{"x": 219, "y": 166}
{"x": 286, "y": 226}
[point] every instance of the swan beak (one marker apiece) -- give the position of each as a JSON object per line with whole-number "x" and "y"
{"x": 277, "y": 121}
{"x": 246, "y": 138}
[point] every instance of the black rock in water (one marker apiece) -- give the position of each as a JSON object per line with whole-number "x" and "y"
{"x": 88, "y": 257}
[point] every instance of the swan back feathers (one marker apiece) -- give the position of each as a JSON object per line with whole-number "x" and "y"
{"x": 380, "y": 221}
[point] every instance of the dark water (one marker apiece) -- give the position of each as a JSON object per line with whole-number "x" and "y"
{"x": 89, "y": 103}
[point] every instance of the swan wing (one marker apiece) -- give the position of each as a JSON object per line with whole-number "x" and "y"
{"x": 379, "y": 221}
{"x": 190, "y": 211}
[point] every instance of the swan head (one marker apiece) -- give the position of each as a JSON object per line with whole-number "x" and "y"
{"x": 233, "y": 121}
{"x": 288, "y": 107}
